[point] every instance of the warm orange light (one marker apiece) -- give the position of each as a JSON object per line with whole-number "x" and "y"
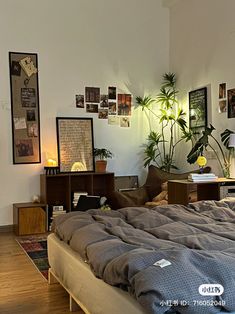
{"x": 51, "y": 163}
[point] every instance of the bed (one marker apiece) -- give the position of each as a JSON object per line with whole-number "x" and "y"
{"x": 149, "y": 260}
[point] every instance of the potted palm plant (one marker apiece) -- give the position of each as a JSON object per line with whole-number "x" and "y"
{"x": 101, "y": 155}
{"x": 168, "y": 118}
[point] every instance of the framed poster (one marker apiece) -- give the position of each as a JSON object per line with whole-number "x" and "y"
{"x": 25, "y": 107}
{"x": 75, "y": 144}
{"x": 198, "y": 108}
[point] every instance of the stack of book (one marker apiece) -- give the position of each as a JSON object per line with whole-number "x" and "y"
{"x": 56, "y": 211}
{"x": 76, "y": 196}
{"x": 202, "y": 177}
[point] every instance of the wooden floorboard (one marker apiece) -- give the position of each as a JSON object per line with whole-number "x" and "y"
{"x": 23, "y": 290}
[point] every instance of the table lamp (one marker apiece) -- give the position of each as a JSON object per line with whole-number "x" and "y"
{"x": 232, "y": 144}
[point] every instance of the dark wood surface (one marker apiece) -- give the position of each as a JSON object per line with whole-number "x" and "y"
{"x": 179, "y": 190}
{"x": 58, "y": 189}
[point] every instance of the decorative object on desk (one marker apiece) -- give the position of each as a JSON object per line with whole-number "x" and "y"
{"x": 231, "y": 144}
{"x": 36, "y": 199}
{"x": 101, "y": 155}
{"x": 160, "y": 147}
{"x": 35, "y": 247}
{"x": 201, "y": 161}
{"x": 25, "y": 108}
{"x": 75, "y": 143}
{"x": 224, "y": 158}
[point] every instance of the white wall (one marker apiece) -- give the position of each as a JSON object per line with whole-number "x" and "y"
{"x": 202, "y": 50}
{"x": 80, "y": 43}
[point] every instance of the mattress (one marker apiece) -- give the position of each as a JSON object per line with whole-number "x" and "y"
{"x": 93, "y": 293}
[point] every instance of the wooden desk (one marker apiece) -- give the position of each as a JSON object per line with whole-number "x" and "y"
{"x": 179, "y": 190}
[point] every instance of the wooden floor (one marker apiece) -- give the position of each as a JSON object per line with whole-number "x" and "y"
{"x": 22, "y": 287}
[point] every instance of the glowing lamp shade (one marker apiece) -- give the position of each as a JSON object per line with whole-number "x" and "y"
{"x": 232, "y": 140}
{"x": 51, "y": 163}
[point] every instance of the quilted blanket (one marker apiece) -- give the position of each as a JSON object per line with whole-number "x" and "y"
{"x": 161, "y": 255}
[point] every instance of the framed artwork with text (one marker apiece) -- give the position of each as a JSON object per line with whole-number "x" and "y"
{"x": 75, "y": 144}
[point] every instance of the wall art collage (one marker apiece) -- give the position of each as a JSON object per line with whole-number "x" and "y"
{"x": 110, "y": 106}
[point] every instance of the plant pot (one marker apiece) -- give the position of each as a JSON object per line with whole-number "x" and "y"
{"x": 100, "y": 165}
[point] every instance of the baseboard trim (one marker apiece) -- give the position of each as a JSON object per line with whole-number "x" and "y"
{"x": 7, "y": 228}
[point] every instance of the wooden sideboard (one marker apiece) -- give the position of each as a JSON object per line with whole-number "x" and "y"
{"x": 179, "y": 190}
{"x": 58, "y": 189}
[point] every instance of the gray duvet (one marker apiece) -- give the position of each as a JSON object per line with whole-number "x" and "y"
{"x": 197, "y": 243}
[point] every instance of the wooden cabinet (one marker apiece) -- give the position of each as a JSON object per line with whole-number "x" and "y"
{"x": 29, "y": 218}
{"x": 179, "y": 190}
{"x": 58, "y": 189}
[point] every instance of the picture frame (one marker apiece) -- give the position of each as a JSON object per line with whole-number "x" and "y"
{"x": 75, "y": 144}
{"x": 25, "y": 114}
{"x": 231, "y": 103}
{"x": 198, "y": 109}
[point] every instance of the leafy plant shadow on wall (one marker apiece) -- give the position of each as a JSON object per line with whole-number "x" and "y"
{"x": 168, "y": 119}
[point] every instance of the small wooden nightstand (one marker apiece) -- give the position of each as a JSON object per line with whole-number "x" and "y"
{"x": 29, "y": 218}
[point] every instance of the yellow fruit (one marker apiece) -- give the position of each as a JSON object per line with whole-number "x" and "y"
{"x": 201, "y": 161}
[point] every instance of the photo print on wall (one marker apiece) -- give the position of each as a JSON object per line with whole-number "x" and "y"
{"x": 222, "y": 90}
{"x": 79, "y": 101}
{"x": 92, "y": 94}
{"x": 231, "y": 103}
{"x": 124, "y": 104}
{"x": 112, "y": 92}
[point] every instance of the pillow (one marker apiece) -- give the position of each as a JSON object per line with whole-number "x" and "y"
{"x": 131, "y": 198}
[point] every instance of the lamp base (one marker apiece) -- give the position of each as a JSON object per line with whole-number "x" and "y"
{"x": 52, "y": 170}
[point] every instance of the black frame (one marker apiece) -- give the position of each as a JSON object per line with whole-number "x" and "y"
{"x": 198, "y": 102}
{"x": 26, "y": 148}
{"x": 84, "y": 127}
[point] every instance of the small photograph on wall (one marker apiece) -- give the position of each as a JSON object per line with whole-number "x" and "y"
{"x": 19, "y": 123}
{"x": 92, "y": 108}
{"x": 104, "y": 101}
{"x": 124, "y": 122}
{"x": 112, "y": 107}
{"x": 32, "y": 129}
{"x": 24, "y": 148}
{"x": 222, "y": 106}
{"x": 222, "y": 90}
{"x": 79, "y": 101}
{"x": 15, "y": 68}
{"x": 103, "y": 113}
{"x": 113, "y": 120}
{"x": 92, "y": 94}
{"x": 30, "y": 114}
{"x": 112, "y": 92}
{"x": 124, "y": 104}
{"x": 231, "y": 103}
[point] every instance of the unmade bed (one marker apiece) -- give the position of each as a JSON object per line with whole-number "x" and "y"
{"x": 160, "y": 256}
